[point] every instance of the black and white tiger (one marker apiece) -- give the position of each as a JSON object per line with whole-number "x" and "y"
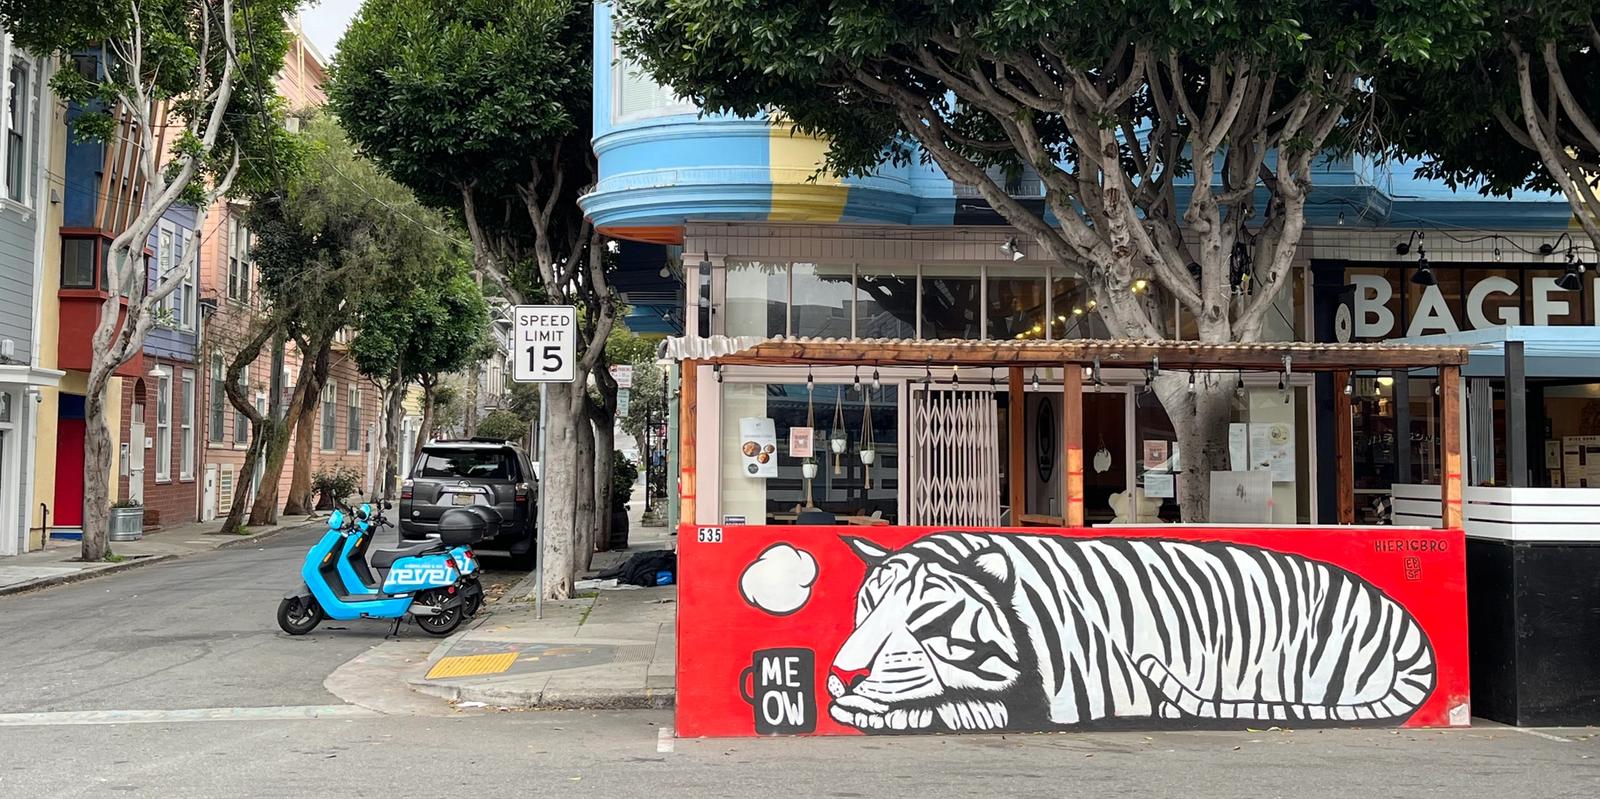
{"x": 968, "y": 631}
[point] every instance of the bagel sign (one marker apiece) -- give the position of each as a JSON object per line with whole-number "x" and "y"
{"x": 1386, "y": 305}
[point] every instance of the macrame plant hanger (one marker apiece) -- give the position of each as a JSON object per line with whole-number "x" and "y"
{"x": 869, "y": 451}
{"x": 809, "y": 467}
{"x": 840, "y": 439}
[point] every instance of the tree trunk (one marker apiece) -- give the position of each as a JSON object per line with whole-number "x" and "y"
{"x": 470, "y": 424}
{"x": 584, "y": 542}
{"x": 274, "y": 434}
{"x": 559, "y": 489}
{"x": 605, "y": 456}
{"x": 1200, "y": 420}
{"x": 425, "y": 430}
{"x": 394, "y": 419}
{"x": 232, "y": 524}
{"x": 97, "y": 459}
{"x": 300, "y": 501}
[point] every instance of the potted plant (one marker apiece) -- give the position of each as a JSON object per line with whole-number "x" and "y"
{"x": 333, "y": 486}
{"x": 127, "y": 520}
{"x": 623, "y": 475}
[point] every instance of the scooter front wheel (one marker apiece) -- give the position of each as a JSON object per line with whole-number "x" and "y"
{"x": 299, "y": 615}
{"x": 445, "y": 621}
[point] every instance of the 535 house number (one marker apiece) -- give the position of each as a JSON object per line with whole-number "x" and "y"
{"x": 709, "y": 535}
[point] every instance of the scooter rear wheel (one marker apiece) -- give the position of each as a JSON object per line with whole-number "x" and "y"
{"x": 298, "y": 616}
{"x": 472, "y": 600}
{"x": 442, "y": 623}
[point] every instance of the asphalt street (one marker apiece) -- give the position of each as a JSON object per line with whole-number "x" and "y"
{"x": 173, "y": 680}
{"x": 196, "y": 632}
{"x": 621, "y": 753}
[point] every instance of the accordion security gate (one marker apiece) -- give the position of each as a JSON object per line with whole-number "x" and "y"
{"x": 955, "y": 457}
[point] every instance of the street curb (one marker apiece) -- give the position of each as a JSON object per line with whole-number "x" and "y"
{"x": 277, "y": 530}
{"x": 525, "y": 700}
{"x": 86, "y": 574}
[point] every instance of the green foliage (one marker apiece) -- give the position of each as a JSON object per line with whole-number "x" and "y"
{"x": 337, "y": 231}
{"x": 424, "y": 329}
{"x": 334, "y": 485}
{"x": 176, "y": 40}
{"x": 441, "y": 94}
{"x": 624, "y": 473}
{"x": 524, "y": 401}
{"x": 503, "y": 424}
{"x": 1445, "y": 115}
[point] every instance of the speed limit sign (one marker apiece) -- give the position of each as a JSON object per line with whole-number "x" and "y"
{"x": 544, "y": 343}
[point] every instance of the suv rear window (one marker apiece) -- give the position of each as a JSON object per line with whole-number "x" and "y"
{"x": 479, "y": 464}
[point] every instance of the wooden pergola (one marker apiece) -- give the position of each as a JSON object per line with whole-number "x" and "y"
{"x": 1339, "y": 360}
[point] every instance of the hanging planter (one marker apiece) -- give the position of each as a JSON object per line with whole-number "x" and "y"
{"x": 840, "y": 440}
{"x": 809, "y": 469}
{"x": 869, "y": 449}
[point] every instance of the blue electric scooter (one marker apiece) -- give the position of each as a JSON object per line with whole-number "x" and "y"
{"x": 422, "y": 582}
{"x": 358, "y": 577}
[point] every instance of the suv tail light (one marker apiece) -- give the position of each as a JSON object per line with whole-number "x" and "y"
{"x": 522, "y": 492}
{"x": 405, "y": 489}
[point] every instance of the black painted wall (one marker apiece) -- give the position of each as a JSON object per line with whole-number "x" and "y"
{"x": 1534, "y": 626}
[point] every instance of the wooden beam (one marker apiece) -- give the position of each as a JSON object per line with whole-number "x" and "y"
{"x": 1450, "y": 483}
{"x": 1304, "y": 357}
{"x": 1016, "y": 416}
{"x": 1072, "y": 436}
{"x": 688, "y": 388}
{"x": 1344, "y": 460}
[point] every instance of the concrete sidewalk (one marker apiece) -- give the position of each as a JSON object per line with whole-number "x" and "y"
{"x": 613, "y": 648}
{"x": 58, "y": 563}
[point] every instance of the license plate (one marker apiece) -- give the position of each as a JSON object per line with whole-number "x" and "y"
{"x": 465, "y": 499}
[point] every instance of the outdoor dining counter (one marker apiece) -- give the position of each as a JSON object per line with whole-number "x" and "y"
{"x": 831, "y": 630}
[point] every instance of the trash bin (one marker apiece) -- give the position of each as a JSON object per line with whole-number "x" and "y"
{"x": 127, "y": 524}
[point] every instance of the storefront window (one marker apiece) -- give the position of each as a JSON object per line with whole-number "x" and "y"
{"x": 773, "y": 491}
{"x": 886, "y": 302}
{"x": 1266, "y": 435}
{"x": 821, "y": 300}
{"x": 951, "y": 299}
{"x": 1075, "y": 311}
{"x": 757, "y": 293}
{"x": 1016, "y": 303}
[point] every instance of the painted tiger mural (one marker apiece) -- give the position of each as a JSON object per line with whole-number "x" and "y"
{"x": 971, "y": 632}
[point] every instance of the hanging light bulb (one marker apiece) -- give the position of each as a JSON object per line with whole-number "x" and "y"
{"x": 1036, "y": 380}
{"x": 858, "y": 380}
{"x": 810, "y": 381}
{"x": 876, "y": 383}
{"x": 1349, "y": 388}
{"x": 955, "y": 376}
{"x": 1238, "y": 387}
{"x": 716, "y": 370}
{"x": 1192, "y": 386}
{"x": 1155, "y": 366}
{"x": 1572, "y": 280}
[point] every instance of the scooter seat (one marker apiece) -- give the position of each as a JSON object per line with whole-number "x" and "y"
{"x": 384, "y": 558}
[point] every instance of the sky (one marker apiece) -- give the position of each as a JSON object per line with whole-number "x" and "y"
{"x": 325, "y": 21}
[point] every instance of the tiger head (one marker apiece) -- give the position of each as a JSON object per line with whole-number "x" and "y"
{"x": 934, "y": 645}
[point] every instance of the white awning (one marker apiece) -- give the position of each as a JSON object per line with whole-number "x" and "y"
{"x": 23, "y": 375}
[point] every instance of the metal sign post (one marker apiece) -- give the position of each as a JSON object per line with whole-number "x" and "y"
{"x": 543, "y": 350}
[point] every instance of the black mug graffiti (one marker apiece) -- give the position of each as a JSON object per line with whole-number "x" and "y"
{"x": 783, "y": 691}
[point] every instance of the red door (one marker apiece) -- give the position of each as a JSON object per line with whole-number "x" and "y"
{"x": 68, "y": 508}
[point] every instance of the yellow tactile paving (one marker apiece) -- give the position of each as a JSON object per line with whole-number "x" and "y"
{"x": 471, "y": 665}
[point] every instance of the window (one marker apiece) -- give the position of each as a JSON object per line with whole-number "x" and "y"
{"x": 330, "y": 415}
{"x": 78, "y": 258}
{"x": 238, "y": 260}
{"x": 219, "y": 399}
{"x": 951, "y": 302}
{"x": 164, "y": 428}
{"x": 820, "y": 299}
{"x": 164, "y": 262}
{"x": 886, "y": 302}
{"x": 186, "y": 427}
{"x": 1016, "y": 303}
{"x": 757, "y": 298}
{"x": 241, "y": 420}
{"x": 481, "y": 464}
{"x": 639, "y": 96}
{"x": 352, "y": 435}
{"x": 19, "y": 128}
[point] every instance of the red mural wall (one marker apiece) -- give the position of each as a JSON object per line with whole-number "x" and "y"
{"x": 850, "y": 630}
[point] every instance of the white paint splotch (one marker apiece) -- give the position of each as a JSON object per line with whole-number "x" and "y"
{"x": 779, "y": 580}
